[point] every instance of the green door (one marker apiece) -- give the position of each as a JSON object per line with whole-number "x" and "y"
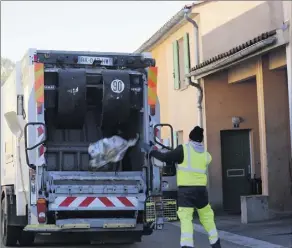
{"x": 236, "y": 165}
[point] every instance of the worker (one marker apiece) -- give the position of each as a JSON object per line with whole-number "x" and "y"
{"x": 192, "y": 163}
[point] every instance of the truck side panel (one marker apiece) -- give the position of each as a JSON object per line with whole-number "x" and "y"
{"x": 30, "y": 110}
{"x": 8, "y": 92}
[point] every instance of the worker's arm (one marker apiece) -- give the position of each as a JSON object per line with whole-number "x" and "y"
{"x": 174, "y": 156}
{"x": 209, "y": 158}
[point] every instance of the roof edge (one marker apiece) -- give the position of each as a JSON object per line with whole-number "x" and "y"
{"x": 167, "y": 27}
{"x": 177, "y": 18}
{"x": 262, "y": 46}
{"x": 235, "y": 50}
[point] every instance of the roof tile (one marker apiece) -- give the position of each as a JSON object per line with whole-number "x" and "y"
{"x": 236, "y": 49}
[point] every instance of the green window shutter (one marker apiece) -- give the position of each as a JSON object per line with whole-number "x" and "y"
{"x": 175, "y": 65}
{"x": 187, "y": 53}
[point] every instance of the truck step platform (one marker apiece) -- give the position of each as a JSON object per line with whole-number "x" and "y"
{"x": 101, "y": 223}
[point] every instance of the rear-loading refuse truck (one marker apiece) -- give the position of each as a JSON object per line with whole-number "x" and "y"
{"x": 53, "y": 106}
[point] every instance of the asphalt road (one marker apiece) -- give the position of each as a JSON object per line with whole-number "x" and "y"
{"x": 167, "y": 238}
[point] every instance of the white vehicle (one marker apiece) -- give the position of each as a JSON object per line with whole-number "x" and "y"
{"x": 54, "y": 105}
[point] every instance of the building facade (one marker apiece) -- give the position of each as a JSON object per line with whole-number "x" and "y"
{"x": 239, "y": 53}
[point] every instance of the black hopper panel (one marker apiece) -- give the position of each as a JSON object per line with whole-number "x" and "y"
{"x": 51, "y": 83}
{"x": 116, "y": 98}
{"x": 72, "y": 106}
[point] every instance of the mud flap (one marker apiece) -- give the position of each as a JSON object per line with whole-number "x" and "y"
{"x": 72, "y": 106}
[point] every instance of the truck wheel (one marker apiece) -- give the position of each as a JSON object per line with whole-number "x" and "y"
{"x": 9, "y": 233}
{"x": 26, "y": 238}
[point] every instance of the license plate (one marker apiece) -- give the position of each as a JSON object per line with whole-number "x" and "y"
{"x": 86, "y": 60}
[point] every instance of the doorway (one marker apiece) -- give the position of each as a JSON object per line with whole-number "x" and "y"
{"x": 236, "y": 167}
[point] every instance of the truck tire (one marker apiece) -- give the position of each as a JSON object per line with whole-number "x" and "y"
{"x": 9, "y": 233}
{"x": 26, "y": 238}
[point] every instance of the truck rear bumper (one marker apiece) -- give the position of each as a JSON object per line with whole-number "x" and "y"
{"x": 84, "y": 228}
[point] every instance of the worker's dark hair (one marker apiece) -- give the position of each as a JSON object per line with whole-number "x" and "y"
{"x": 197, "y": 134}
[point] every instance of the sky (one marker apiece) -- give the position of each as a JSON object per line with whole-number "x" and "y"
{"x": 113, "y": 26}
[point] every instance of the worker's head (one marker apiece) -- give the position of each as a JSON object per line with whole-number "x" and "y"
{"x": 197, "y": 134}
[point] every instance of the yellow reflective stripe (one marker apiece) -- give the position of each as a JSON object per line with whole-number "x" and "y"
{"x": 152, "y": 85}
{"x": 151, "y": 96}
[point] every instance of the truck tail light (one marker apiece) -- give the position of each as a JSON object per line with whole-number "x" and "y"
{"x": 42, "y": 210}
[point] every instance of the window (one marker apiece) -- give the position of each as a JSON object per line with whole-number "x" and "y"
{"x": 180, "y": 137}
{"x": 181, "y": 61}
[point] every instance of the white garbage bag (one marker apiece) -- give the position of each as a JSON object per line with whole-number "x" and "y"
{"x": 109, "y": 150}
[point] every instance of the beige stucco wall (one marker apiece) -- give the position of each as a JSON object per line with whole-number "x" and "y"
{"x": 160, "y": 55}
{"x": 178, "y": 107}
{"x": 222, "y": 101}
{"x": 226, "y": 24}
{"x": 276, "y": 114}
{"x": 220, "y": 29}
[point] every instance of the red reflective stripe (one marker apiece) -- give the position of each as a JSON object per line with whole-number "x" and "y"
{"x": 67, "y": 201}
{"x": 125, "y": 201}
{"x": 87, "y": 201}
{"x": 41, "y": 150}
{"x": 106, "y": 201}
{"x": 156, "y": 132}
{"x": 40, "y": 130}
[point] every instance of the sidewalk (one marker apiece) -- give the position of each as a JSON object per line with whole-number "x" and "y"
{"x": 276, "y": 231}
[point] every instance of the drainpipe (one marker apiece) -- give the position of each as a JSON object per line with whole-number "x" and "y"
{"x": 196, "y": 83}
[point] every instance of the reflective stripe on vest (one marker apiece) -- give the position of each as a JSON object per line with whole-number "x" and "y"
{"x": 189, "y": 167}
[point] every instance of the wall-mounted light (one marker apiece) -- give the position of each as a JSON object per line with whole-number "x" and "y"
{"x": 236, "y": 120}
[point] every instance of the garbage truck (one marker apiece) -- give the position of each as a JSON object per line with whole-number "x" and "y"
{"x": 54, "y": 106}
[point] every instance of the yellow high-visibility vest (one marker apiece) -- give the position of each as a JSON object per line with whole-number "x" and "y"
{"x": 193, "y": 170}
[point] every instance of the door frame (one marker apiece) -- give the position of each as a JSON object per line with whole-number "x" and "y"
{"x": 251, "y": 152}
